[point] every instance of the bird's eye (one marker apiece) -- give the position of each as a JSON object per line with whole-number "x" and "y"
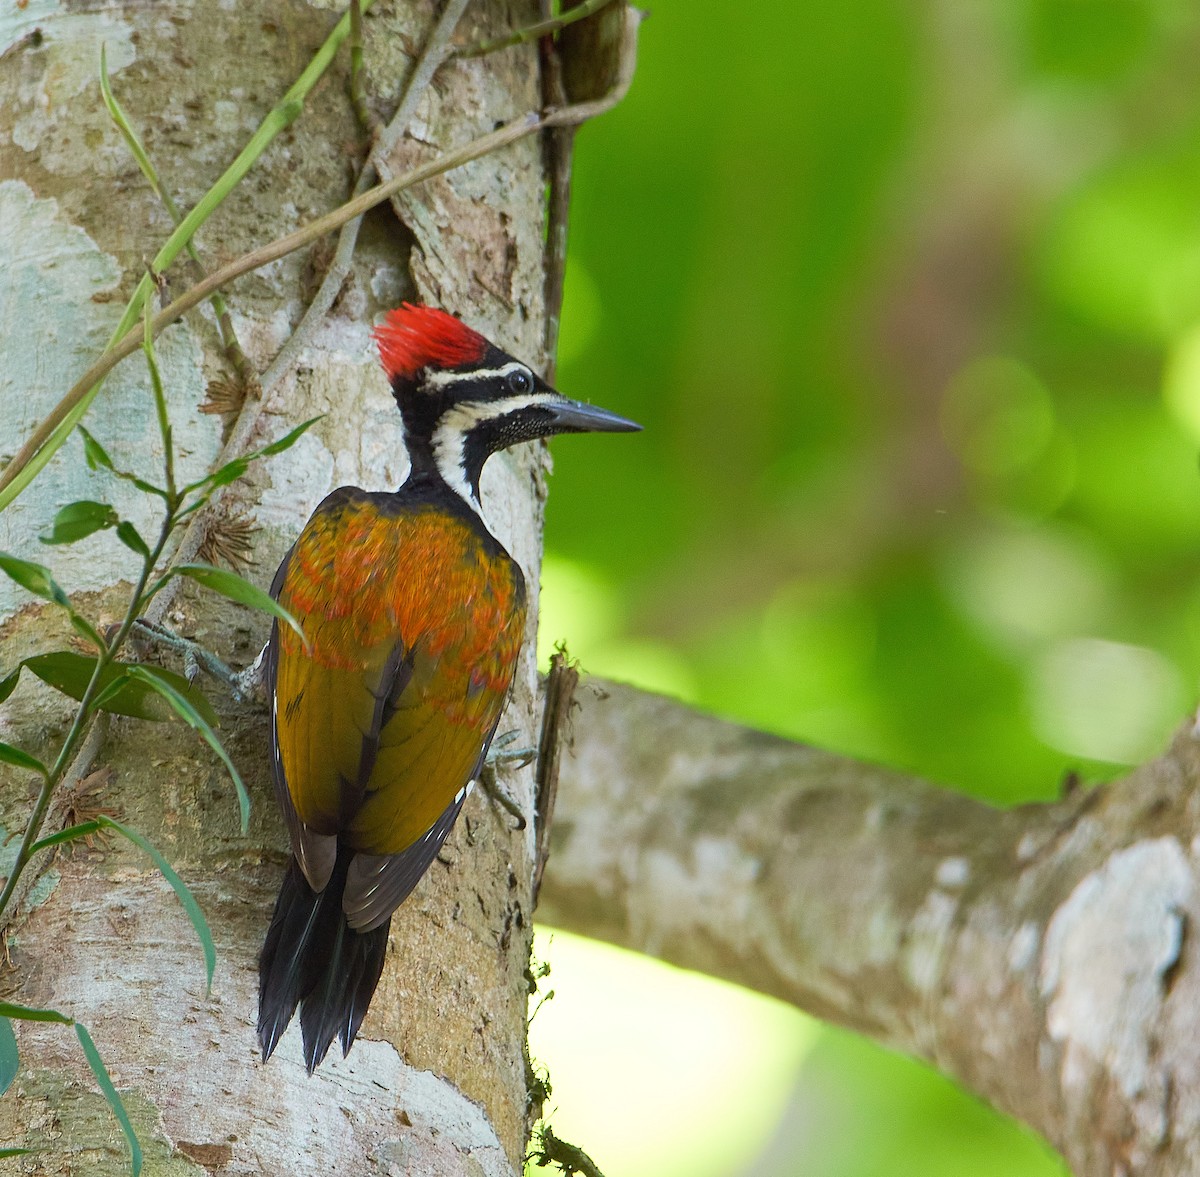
{"x": 520, "y": 381}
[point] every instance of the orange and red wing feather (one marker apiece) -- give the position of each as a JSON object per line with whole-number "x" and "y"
{"x": 414, "y": 623}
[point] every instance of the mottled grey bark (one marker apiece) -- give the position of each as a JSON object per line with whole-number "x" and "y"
{"x": 1044, "y": 956}
{"x": 436, "y": 1083}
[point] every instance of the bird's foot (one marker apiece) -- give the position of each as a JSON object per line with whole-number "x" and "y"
{"x": 241, "y": 684}
{"x": 501, "y": 756}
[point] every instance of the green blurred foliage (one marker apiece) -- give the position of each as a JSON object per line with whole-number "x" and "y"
{"x": 908, "y": 299}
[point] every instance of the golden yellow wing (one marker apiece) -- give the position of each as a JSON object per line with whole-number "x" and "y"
{"x": 414, "y": 622}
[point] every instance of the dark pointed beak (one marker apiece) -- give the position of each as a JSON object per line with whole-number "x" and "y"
{"x": 567, "y": 416}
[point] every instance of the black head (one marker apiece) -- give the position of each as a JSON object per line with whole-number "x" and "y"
{"x": 463, "y": 399}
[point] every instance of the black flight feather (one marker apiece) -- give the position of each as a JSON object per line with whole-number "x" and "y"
{"x": 312, "y": 959}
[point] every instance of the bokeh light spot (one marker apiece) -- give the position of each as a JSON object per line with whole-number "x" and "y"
{"x": 581, "y": 609}
{"x": 1181, "y": 382}
{"x": 997, "y": 415}
{"x": 696, "y": 1072}
{"x": 1023, "y": 585}
{"x": 1124, "y": 252}
{"x": 1105, "y": 700}
{"x": 819, "y": 636}
{"x": 576, "y": 606}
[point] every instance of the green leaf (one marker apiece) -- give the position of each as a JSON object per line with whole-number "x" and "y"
{"x": 70, "y": 834}
{"x": 34, "y": 577}
{"x": 237, "y": 588}
{"x": 186, "y": 898}
{"x": 37, "y": 579}
{"x": 83, "y": 626}
{"x": 10, "y": 1060}
{"x": 77, "y": 520}
{"x": 142, "y": 484}
{"x": 110, "y": 1093}
{"x": 67, "y": 672}
{"x": 180, "y": 685}
{"x": 160, "y": 397}
{"x": 86, "y": 510}
{"x": 228, "y": 473}
{"x": 98, "y": 459}
{"x": 96, "y": 455}
{"x": 232, "y": 471}
{"x": 112, "y": 687}
{"x": 128, "y": 535}
{"x": 16, "y": 1152}
{"x": 28, "y": 1014}
{"x": 185, "y": 710}
{"x": 70, "y": 673}
{"x": 11, "y": 755}
{"x": 137, "y": 150}
{"x": 9, "y": 684}
{"x": 287, "y": 440}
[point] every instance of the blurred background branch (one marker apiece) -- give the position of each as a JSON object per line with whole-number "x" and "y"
{"x": 1040, "y": 956}
{"x": 908, "y": 299}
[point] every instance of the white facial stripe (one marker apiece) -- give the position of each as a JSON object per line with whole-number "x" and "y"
{"x": 464, "y": 417}
{"x": 436, "y": 379}
{"x": 449, "y": 438}
{"x": 448, "y": 454}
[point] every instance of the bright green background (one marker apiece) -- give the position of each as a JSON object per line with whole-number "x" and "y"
{"x": 907, "y": 296}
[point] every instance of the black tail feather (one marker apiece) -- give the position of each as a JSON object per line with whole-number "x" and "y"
{"x": 360, "y": 988}
{"x": 313, "y": 959}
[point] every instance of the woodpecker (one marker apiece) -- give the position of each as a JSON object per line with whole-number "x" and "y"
{"x": 413, "y": 615}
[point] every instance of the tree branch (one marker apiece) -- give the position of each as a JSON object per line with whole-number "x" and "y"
{"x": 1039, "y": 955}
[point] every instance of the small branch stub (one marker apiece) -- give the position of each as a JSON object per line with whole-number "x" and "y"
{"x": 558, "y": 699}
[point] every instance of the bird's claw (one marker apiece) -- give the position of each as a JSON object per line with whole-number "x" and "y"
{"x": 500, "y": 755}
{"x": 489, "y": 784}
{"x": 242, "y": 685}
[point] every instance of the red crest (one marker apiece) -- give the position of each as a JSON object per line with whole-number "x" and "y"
{"x": 414, "y": 337}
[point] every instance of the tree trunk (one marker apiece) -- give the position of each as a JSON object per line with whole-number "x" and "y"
{"x": 1043, "y": 956}
{"x": 437, "y": 1081}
